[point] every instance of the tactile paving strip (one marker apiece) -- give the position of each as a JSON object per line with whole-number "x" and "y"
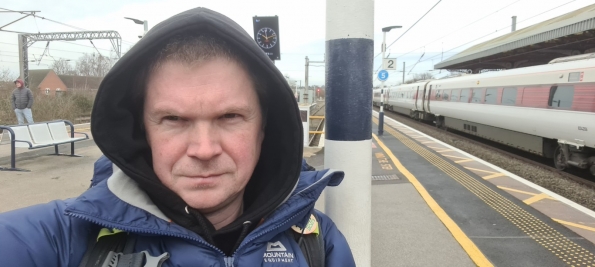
{"x": 568, "y": 251}
{"x": 385, "y": 177}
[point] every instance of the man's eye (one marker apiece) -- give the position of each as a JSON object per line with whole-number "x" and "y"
{"x": 171, "y": 118}
{"x": 231, "y": 116}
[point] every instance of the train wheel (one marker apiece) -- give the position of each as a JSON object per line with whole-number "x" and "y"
{"x": 559, "y": 159}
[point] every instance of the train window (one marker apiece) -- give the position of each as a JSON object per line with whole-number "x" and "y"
{"x": 561, "y": 96}
{"x": 445, "y": 95}
{"x": 491, "y": 96}
{"x": 454, "y": 95}
{"x": 464, "y": 95}
{"x": 437, "y": 96}
{"x": 509, "y": 96}
{"x": 477, "y": 96}
{"x": 574, "y": 76}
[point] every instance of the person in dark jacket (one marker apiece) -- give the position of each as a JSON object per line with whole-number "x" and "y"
{"x": 22, "y": 101}
{"x": 202, "y": 141}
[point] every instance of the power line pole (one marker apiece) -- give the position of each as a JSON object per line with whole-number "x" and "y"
{"x": 403, "y": 71}
{"x": 27, "y": 39}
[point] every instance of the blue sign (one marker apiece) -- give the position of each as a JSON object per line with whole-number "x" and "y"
{"x": 383, "y": 75}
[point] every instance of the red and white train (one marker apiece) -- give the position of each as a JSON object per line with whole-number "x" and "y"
{"x": 548, "y": 110}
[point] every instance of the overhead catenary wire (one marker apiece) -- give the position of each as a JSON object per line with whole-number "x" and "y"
{"x": 411, "y": 27}
{"x": 507, "y": 27}
{"x": 482, "y": 18}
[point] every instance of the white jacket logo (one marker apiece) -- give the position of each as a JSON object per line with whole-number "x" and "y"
{"x": 276, "y": 252}
{"x": 275, "y": 246}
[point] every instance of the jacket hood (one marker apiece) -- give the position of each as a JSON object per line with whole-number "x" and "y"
{"x": 117, "y": 129}
{"x": 20, "y": 81}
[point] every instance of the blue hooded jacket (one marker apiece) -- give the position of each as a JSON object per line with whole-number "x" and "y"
{"x": 277, "y": 196}
{"x": 57, "y": 233}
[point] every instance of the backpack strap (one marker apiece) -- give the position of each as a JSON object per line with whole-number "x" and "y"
{"x": 114, "y": 248}
{"x": 311, "y": 241}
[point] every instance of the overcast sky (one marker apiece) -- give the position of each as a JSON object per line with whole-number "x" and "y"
{"x": 449, "y": 25}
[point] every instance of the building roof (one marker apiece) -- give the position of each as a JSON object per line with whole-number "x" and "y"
{"x": 81, "y": 82}
{"x": 569, "y": 34}
{"x": 36, "y": 77}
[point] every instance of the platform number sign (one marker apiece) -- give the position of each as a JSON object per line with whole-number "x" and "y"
{"x": 383, "y": 75}
{"x": 389, "y": 64}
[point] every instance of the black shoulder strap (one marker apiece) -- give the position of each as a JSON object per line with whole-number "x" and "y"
{"x": 312, "y": 246}
{"x": 116, "y": 250}
{"x": 103, "y": 249}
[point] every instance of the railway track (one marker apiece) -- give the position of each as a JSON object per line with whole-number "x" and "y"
{"x": 577, "y": 176}
{"x": 315, "y": 138}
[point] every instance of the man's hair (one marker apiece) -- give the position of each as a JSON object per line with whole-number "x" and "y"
{"x": 194, "y": 50}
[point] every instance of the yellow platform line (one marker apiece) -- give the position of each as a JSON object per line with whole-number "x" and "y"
{"x": 493, "y": 176}
{"x": 464, "y": 160}
{"x": 474, "y": 253}
{"x": 535, "y": 198}
{"x": 450, "y": 156}
{"x": 479, "y": 170}
{"x": 575, "y": 225}
{"x": 516, "y": 190}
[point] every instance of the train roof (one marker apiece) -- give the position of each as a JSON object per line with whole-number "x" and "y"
{"x": 573, "y": 30}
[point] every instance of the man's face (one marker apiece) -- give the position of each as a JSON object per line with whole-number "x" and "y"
{"x": 18, "y": 84}
{"x": 203, "y": 124}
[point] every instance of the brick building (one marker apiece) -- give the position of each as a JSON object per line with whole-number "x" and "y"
{"x": 47, "y": 82}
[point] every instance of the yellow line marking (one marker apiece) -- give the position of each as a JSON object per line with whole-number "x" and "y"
{"x": 442, "y": 151}
{"x": 450, "y": 156}
{"x": 535, "y": 198}
{"x": 493, "y": 176}
{"x": 516, "y": 190}
{"x": 316, "y": 117}
{"x": 464, "y": 160}
{"x": 474, "y": 253}
{"x": 479, "y": 170}
{"x": 316, "y": 132}
{"x": 575, "y": 225}
{"x": 427, "y": 142}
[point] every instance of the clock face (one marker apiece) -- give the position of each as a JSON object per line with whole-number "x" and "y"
{"x": 266, "y": 38}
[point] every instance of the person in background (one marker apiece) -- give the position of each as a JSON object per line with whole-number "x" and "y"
{"x": 22, "y": 101}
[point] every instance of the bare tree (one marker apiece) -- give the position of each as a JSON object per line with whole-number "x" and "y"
{"x": 93, "y": 65}
{"x": 62, "y": 67}
{"x": 420, "y": 77}
{"x": 7, "y": 78}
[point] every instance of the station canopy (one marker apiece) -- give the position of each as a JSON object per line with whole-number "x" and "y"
{"x": 567, "y": 35}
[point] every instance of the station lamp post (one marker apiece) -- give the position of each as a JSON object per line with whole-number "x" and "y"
{"x": 142, "y": 22}
{"x": 381, "y": 114}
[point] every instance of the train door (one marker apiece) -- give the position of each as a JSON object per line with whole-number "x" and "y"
{"x": 423, "y": 100}
{"x": 415, "y": 98}
{"x": 428, "y": 96}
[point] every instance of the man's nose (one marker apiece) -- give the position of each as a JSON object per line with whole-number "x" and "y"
{"x": 204, "y": 142}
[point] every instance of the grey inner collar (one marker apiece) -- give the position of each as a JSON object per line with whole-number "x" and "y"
{"x": 128, "y": 191}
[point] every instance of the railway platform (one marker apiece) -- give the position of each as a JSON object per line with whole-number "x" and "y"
{"x": 434, "y": 205}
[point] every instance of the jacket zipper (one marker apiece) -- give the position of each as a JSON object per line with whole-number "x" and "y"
{"x": 131, "y": 230}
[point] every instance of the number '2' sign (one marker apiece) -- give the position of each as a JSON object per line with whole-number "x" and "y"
{"x": 389, "y": 64}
